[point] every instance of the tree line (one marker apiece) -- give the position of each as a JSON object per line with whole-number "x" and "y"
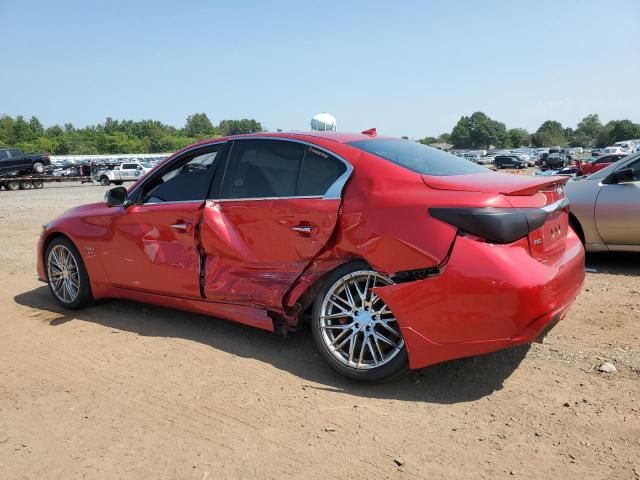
{"x": 480, "y": 131}
{"x": 115, "y": 136}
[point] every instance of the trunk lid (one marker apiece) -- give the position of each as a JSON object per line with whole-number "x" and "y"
{"x": 522, "y": 191}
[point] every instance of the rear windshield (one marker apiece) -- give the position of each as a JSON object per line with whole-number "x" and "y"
{"x": 417, "y": 157}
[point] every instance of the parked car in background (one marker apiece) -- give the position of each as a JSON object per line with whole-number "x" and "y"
{"x": 596, "y": 152}
{"x": 626, "y": 146}
{"x": 613, "y": 149}
{"x": 592, "y": 165}
{"x": 125, "y": 172}
{"x": 555, "y": 160}
{"x": 605, "y": 207}
{"x": 400, "y": 255}
{"x": 12, "y": 160}
{"x": 508, "y": 161}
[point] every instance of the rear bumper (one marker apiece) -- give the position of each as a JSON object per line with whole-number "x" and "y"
{"x": 487, "y": 297}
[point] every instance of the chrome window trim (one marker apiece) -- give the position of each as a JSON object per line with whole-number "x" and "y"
{"x": 255, "y": 199}
{"x": 334, "y": 192}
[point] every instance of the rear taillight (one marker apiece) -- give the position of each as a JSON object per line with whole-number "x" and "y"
{"x": 496, "y": 225}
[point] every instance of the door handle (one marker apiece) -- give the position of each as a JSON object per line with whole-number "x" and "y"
{"x": 181, "y": 226}
{"x": 305, "y": 229}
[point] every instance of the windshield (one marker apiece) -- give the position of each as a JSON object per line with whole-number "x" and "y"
{"x": 417, "y": 157}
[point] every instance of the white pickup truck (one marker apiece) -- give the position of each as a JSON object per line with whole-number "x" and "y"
{"x": 125, "y": 172}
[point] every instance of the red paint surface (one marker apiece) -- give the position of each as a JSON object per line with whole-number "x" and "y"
{"x": 485, "y": 297}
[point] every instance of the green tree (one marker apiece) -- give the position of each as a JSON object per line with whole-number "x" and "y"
{"x": 460, "y": 135}
{"x": 239, "y": 127}
{"x": 549, "y": 134}
{"x": 618, "y": 130}
{"x": 428, "y": 140}
{"x": 444, "y": 138}
{"x": 198, "y": 125}
{"x": 587, "y": 132}
{"x": 516, "y": 137}
{"x": 478, "y": 131}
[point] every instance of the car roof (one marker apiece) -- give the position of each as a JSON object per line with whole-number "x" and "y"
{"x": 312, "y": 137}
{"x": 339, "y": 137}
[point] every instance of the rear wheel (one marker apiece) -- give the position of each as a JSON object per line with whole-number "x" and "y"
{"x": 38, "y": 167}
{"x": 38, "y": 184}
{"x": 66, "y": 274}
{"x": 355, "y": 331}
{"x": 104, "y": 181}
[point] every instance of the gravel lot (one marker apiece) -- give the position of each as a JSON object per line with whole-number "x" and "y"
{"x": 123, "y": 390}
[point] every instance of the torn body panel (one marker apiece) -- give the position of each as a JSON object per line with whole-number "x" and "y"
{"x": 487, "y": 297}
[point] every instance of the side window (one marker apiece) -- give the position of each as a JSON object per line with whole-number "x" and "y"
{"x": 4, "y": 154}
{"x": 262, "y": 169}
{"x": 635, "y": 166}
{"x": 128, "y": 166}
{"x": 188, "y": 180}
{"x": 319, "y": 171}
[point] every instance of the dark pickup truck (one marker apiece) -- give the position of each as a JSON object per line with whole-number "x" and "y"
{"x": 13, "y": 161}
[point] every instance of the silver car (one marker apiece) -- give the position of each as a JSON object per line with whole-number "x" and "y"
{"x": 605, "y": 207}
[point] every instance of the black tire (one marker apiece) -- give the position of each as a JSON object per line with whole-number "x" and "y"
{"x": 104, "y": 181}
{"x": 396, "y": 367}
{"x": 83, "y": 296}
{"x": 118, "y": 182}
{"x": 38, "y": 167}
{"x": 25, "y": 185}
{"x": 12, "y": 185}
{"x": 38, "y": 184}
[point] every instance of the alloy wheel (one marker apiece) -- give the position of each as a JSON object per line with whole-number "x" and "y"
{"x": 357, "y": 327}
{"x": 63, "y": 273}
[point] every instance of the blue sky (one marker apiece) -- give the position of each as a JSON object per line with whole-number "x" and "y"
{"x": 406, "y": 67}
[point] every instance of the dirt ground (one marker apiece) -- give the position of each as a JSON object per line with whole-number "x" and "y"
{"x": 129, "y": 391}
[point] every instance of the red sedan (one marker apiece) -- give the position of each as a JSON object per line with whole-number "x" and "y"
{"x": 594, "y": 165}
{"x": 399, "y": 255}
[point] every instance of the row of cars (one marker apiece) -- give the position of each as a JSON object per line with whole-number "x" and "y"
{"x": 22, "y": 172}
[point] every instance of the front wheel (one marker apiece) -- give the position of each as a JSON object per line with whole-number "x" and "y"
{"x": 38, "y": 167}
{"x": 104, "y": 181}
{"x": 66, "y": 274}
{"x": 355, "y": 331}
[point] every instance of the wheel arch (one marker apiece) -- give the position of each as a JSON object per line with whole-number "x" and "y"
{"x": 47, "y": 241}
{"x": 307, "y": 287}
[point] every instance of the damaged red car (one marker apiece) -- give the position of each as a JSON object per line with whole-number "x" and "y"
{"x": 397, "y": 254}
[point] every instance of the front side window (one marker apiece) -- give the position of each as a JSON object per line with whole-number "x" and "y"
{"x": 417, "y": 157}
{"x": 188, "y": 180}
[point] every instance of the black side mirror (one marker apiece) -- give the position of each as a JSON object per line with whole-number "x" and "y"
{"x": 621, "y": 176}
{"x": 117, "y": 197}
